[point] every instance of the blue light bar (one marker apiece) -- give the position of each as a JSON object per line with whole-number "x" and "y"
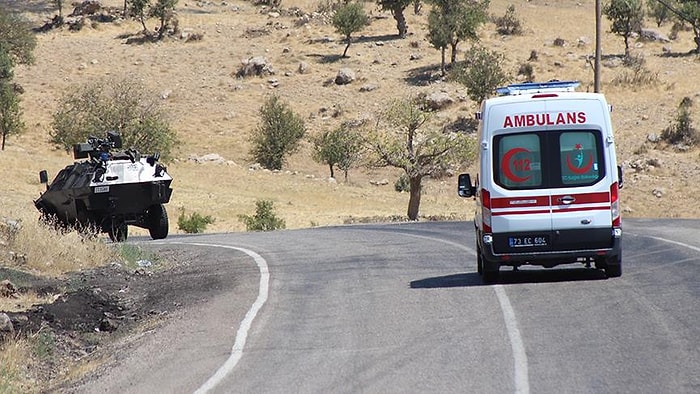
{"x": 537, "y": 87}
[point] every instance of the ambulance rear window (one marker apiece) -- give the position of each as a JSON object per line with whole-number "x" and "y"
{"x": 548, "y": 159}
{"x": 579, "y": 158}
{"x": 519, "y": 161}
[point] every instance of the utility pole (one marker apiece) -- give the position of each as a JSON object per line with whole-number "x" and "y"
{"x": 596, "y": 66}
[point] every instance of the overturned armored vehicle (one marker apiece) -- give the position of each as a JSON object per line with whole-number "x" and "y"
{"x": 109, "y": 191}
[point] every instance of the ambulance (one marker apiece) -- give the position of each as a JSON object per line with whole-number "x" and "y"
{"x": 548, "y": 185}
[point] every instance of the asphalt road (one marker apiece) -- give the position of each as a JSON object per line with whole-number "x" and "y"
{"x": 399, "y": 308}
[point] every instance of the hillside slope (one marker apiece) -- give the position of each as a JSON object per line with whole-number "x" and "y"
{"x": 214, "y": 112}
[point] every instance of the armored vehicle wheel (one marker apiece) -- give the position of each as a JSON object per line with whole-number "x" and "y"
{"x": 158, "y": 221}
{"x": 118, "y": 232}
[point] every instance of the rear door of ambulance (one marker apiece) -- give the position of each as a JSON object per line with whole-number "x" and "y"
{"x": 521, "y": 212}
{"x": 583, "y": 175}
{"x": 548, "y": 170}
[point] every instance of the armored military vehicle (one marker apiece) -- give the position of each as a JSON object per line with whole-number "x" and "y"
{"x": 108, "y": 191}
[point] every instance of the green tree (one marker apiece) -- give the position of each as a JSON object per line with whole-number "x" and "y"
{"x": 405, "y": 138}
{"x": 659, "y": 12}
{"x": 16, "y": 37}
{"x": 397, "y": 7}
{"x": 138, "y": 9}
{"x": 121, "y": 105}
{"x": 348, "y": 19}
{"x": 453, "y": 21}
{"x": 163, "y": 10}
{"x": 10, "y": 112}
{"x": 627, "y": 17}
{"x": 481, "y": 73}
{"x": 277, "y": 135}
{"x": 690, "y": 12}
{"x": 340, "y": 147}
{"x": 264, "y": 219}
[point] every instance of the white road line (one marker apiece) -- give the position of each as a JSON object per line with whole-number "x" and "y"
{"x": 520, "y": 367}
{"x": 242, "y": 334}
{"x": 522, "y": 381}
{"x": 674, "y": 242}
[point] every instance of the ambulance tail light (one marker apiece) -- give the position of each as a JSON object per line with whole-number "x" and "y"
{"x": 615, "y": 205}
{"x": 486, "y": 210}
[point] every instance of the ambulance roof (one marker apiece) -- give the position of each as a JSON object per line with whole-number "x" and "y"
{"x": 538, "y": 87}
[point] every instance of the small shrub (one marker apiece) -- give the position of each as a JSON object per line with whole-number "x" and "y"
{"x": 193, "y": 224}
{"x": 402, "y": 184}
{"x": 264, "y": 219}
{"x": 44, "y": 344}
{"x": 682, "y": 131}
{"x": 637, "y": 75}
{"x": 508, "y": 24}
{"x": 132, "y": 254}
{"x": 527, "y": 71}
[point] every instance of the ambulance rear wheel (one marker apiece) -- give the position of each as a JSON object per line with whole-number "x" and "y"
{"x": 613, "y": 267}
{"x": 491, "y": 271}
{"x": 479, "y": 261}
{"x": 491, "y": 276}
{"x": 158, "y": 221}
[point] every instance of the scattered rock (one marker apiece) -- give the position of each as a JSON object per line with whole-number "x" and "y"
{"x": 658, "y": 193}
{"x": 345, "y": 76}
{"x": 257, "y": 65}
{"x": 382, "y": 182}
{"x": 438, "y": 100}
{"x": 647, "y": 34}
{"x": 6, "y": 327}
{"x": 303, "y": 68}
{"x": 368, "y": 87}
{"x": 7, "y": 289}
{"x": 559, "y": 42}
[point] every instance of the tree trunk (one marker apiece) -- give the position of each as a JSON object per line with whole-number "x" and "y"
{"x": 3, "y": 141}
{"x": 346, "y": 47}
{"x": 442, "y": 63}
{"x": 401, "y": 25}
{"x": 331, "y": 168}
{"x": 453, "y": 55}
{"x": 414, "y": 199}
{"x": 697, "y": 45}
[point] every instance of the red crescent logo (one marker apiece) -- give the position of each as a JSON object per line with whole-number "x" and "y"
{"x": 579, "y": 171}
{"x": 505, "y": 165}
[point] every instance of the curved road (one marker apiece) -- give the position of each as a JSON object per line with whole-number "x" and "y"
{"x": 399, "y": 308}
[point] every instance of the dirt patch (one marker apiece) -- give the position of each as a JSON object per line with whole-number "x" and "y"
{"x": 96, "y": 308}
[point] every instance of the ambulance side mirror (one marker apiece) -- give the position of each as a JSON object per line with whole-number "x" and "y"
{"x": 465, "y": 187}
{"x": 620, "y": 179}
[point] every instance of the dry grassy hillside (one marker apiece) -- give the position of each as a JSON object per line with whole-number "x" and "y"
{"x": 214, "y": 112}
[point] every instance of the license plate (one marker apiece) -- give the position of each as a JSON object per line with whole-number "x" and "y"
{"x": 101, "y": 189}
{"x": 528, "y": 241}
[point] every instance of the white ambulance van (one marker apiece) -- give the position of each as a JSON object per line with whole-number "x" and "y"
{"x": 548, "y": 187}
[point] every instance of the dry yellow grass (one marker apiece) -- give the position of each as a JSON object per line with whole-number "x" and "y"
{"x": 14, "y": 377}
{"x": 213, "y": 112}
